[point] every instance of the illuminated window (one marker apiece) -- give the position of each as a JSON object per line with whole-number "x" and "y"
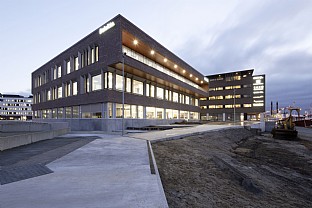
{"x": 182, "y": 98}
{"x": 137, "y": 87}
{"x": 150, "y": 112}
{"x": 258, "y": 104}
{"x": 59, "y": 92}
{"x": 159, "y": 113}
{"x": 147, "y": 89}
{"x": 67, "y": 90}
{"x": 92, "y": 55}
{"x": 140, "y": 112}
{"x": 59, "y": 71}
{"x": 75, "y": 88}
{"x": 68, "y": 66}
{"x": 96, "y": 53}
{"x": 54, "y": 73}
{"x": 109, "y": 80}
{"x": 175, "y": 97}
{"x": 118, "y": 82}
{"x": 96, "y": 82}
{"x": 160, "y": 92}
{"x": 247, "y": 105}
{"x": 152, "y": 91}
{"x": 87, "y": 84}
{"x": 76, "y": 63}
{"x": 75, "y": 111}
{"x": 49, "y": 95}
{"x": 128, "y": 85}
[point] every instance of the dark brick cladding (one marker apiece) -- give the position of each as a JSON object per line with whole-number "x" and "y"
{"x": 110, "y": 53}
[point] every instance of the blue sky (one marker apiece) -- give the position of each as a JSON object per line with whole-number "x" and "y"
{"x": 274, "y": 37}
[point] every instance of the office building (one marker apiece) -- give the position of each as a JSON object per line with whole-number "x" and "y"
{"x": 234, "y": 96}
{"x": 84, "y": 85}
{"x": 15, "y": 107}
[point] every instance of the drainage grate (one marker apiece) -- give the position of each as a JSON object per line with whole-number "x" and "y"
{"x": 12, "y": 174}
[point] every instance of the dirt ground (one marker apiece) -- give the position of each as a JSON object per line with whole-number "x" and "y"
{"x": 234, "y": 168}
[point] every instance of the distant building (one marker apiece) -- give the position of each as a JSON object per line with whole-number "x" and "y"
{"x": 239, "y": 94}
{"x": 15, "y": 107}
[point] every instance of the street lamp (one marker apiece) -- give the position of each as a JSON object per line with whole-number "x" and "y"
{"x": 123, "y": 92}
{"x": 234, "y": 107}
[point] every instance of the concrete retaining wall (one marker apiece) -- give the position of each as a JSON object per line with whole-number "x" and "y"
{"x": 110, "y": 125}
{"x": 14, "y": 134}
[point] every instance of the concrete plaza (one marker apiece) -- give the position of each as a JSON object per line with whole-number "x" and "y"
{"x": 110, "y": 171}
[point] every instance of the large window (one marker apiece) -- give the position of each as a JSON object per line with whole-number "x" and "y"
{"x": 59, "y": 71}
{"x": 152, "y": 91}
{"x": 75, "y": 111}
{"x": 160, "y": 92}
{"x": 118, "y": 82}
{"x": 96, "y": 82}
{"x": 109, "y": 80}
{"x": 150, "y": 112}
{"x": 60, "y": 113}
{"x": 87, "y": 84}
{"x": 49, "y": 95}
{"x": 175, "y": 97}
{"x": 75, "y": 88}
{"x": 67, "y": 90}
{"x": 128, "y": 85}
{"x": 147, "y": 89}
{"x": 140, "y": 112}
{"x": 187, "y": 100}
{"x": 160, "y": 113}
{"x": 137, "y": 87}
{"x": 76, "y": 63}
{"x": 54, "y": 73}
{"x": 68, "y": 112}
{"x": 68, "y": 66}
{"x": 59, "y": 92}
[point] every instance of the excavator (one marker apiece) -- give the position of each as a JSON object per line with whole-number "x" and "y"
{"x": 285, "y": 129}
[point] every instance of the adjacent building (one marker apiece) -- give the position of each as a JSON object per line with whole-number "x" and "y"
{"x": 15, "y": 107}
{"x": 84, "y": 85}
{"x": 234, "y": 96}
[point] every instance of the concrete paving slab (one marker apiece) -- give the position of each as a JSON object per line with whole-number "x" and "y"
{"x": 113, "y": 171}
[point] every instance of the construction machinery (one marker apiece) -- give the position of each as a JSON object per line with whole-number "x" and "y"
{"x": 285, "y": 128}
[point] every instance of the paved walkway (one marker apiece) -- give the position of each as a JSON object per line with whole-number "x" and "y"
{"x": 112, "y": 171}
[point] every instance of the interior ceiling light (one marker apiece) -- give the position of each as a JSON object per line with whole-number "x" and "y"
{"x": 191, "y": 75}
{"x": 196, "y": 78}
{"x": 183, "y": 71}
{"x": 175, "y": 66}
{"x": 201, "y": 82}
{"x": 152, "y": 52}
{"x": 165, "y": 60}
{"x": 135, "y": 42}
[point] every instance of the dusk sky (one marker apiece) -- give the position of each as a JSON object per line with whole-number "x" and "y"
{"x": 274, "y": 37}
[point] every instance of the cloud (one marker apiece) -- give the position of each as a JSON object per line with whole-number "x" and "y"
{"x": 273, "y": 37}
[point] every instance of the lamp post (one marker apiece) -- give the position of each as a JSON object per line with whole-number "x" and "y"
{"x": 123, "y": 92}
{"x": 234, "y": 107}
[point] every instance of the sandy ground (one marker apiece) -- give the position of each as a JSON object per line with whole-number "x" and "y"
{"x": 233, "y": 168}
